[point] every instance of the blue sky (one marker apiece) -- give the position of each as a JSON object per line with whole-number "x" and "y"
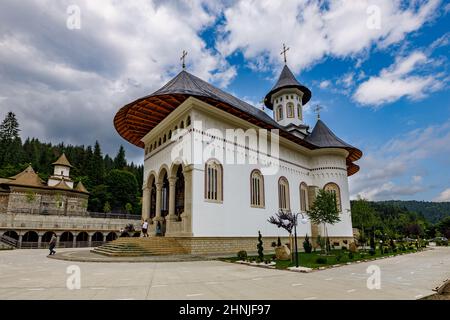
{"x": 379, "y": 68}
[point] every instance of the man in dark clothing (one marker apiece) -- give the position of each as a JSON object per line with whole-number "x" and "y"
{"x": 52, "y": 245}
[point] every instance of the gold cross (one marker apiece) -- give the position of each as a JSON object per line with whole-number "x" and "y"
{"x": 317, "y": 109}
{"x": 284, "y": 52}
{"x": 183, "y": 56}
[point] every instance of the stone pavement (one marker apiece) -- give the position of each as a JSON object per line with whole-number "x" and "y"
{"x": 29, "y": 274}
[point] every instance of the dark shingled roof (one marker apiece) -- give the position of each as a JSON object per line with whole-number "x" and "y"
{"x": 287, "y": 80}
{"x": 187, "y": 83}
{"x": 323, "y": 137}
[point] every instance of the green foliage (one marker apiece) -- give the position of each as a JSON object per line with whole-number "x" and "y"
{"x": 321, "y": 260}
{"x": 30, "y": 196}
{"x": 120, "y": 161}
{"x": 123, "y": 188}
{"x": 324, "y": 208}
{"x": 107, "y": 207}
{"x": 242, "y": 255}
{"x": 307, "y": 245}
{"x": 128, "y": 208}
{"x": 260, "y": 247}
{"x": 324, "y": 211}
{"x": 320, "y": 241}
{"x": 351, "y": 255}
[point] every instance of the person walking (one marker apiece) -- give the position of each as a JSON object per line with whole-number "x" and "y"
{"x": 52, "y": 245}
{"x": 145, "y": 228}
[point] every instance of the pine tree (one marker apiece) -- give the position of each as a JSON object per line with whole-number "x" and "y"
{"x": 11, "y": 151}
{"x": 9, "y": 129}
{"x": 98, "y": 165}
{"x": 119, "y": 161}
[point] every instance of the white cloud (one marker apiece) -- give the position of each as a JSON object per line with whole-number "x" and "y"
{"x": 66, "y": 85}
{"x": 385, "y": 169}
{"x": 443, "y": 196}
{"x": 396, "y": 82}
{"x": 313, "y": 29}
{"x": 324, "y": 84}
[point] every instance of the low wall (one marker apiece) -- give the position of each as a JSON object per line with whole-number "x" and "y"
{"x": 212, "y": 245}
{"x": 52, "y": 223}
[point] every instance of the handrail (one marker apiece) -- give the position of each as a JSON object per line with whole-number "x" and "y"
{"x": 8, "y": 240}
{"x": 77, "y": 213}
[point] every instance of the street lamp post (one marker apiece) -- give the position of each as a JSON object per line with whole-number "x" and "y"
{"x": 295, "y": 234}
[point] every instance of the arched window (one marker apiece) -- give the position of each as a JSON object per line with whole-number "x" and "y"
{"x": 188, "y": 121}
{"x": 182, "y": 125}
{"x": 154, "y": 147}
{"x": 299, "y": 111}
{"x": 280, "y": 113}
{"x": 334, "y": 188}
{"x": 159, "y": 142}
{"x": 283, "y": 194}
{"x": 164, "y": 138}
{"x": 290, "y": 110}
{"x": 213, "y": 180}
{"x": 256, "y": 189}
{"x": 304, "y": 206}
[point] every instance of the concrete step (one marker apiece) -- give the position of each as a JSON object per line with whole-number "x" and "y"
{"x": 141, "y": 247}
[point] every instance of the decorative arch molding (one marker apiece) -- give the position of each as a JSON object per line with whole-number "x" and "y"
{"x": 334, "y": 188}
{"x": 257, "y": 196}
{"x": 213, "y": 180}
{"x": 283, "y": 194}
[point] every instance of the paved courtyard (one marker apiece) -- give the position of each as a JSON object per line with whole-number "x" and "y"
{"x": 29, "y": 274}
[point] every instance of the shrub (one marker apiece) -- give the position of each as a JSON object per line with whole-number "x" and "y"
{"x": 279, "y": 242}
{"x": 242, "y": 255}
{"x": 321, "y": 260}
{"x": 338, "y": 257}
{"x": 274, "y": 257}
{"x": 351, "y": 255}
{"x": 372, "y": 251}
{"x": 260, "y": 247}
{"x": 274, "y": 244}
{"x": 344, "y": 248}
{"x": 307, "y": 245}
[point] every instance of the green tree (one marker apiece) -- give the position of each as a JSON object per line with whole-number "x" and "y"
{"x": 260, "y": 248}
{"x": 107, "y": 207}
{"x": 9, "y": 129}
{"x": 363, "y": 216}
{"x": 98, "y": 165}
{"x": 123, "y": 188}
{"x": 324, "y": 210}
{"x": 120, "y": 161}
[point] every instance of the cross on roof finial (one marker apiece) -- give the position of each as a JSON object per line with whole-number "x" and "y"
{"x": 183, "y": 56}
{"x": 317, "y": 109}
{"x": 283, "y": 52}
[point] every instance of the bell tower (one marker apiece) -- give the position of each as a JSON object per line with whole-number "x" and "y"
{"x": 287, "y": 98}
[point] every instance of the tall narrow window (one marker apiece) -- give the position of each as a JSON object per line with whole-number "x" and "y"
{"x": 303, "y": 197}
{"x": 283, "y": 194}
{"x": 290, "y": 110}
{"x": 334, "y": 188}
{"x": 280, "y": 113}
{"x": 256, "y": 189}
{"x": 188, "y": 121}
{"x": 299, "y": 111}
{"x": 213, "y": 181}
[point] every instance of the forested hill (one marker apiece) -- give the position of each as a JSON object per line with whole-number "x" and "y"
{"x": 113, "y": 183}
{"x": 432, "y": 211}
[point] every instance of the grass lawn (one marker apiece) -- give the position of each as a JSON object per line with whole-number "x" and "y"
{"x": 310, "y": 259}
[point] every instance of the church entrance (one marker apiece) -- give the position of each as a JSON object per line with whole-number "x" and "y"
{"x": 179, "y": 192}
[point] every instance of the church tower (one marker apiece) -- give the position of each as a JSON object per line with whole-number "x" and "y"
{"x": 287, "y": 99}
{"x": 61, "y": 172}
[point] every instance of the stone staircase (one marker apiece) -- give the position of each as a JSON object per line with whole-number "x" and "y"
{"x": 135, "y": 247}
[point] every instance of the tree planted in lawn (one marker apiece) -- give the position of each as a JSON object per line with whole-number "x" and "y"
{"x": 324, "y": 210}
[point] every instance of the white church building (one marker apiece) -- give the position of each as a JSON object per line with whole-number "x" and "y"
{"x": 217, "y": 168}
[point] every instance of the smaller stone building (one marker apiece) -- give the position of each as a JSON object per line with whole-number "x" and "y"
{"x": 32, "y": 210}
